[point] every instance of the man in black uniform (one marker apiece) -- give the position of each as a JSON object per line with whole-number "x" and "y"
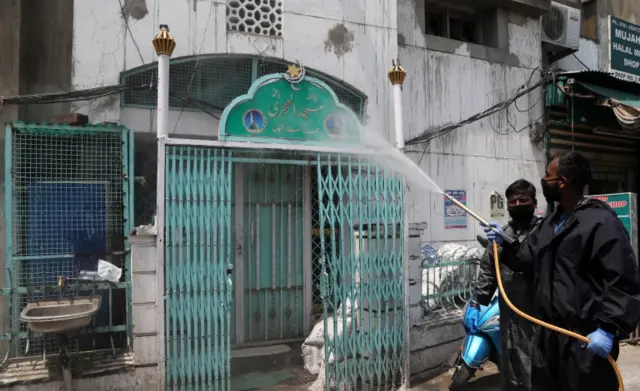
{"x": 516, "y": 332}
{"x": 585, "y": 279}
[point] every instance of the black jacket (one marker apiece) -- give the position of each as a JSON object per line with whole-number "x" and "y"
{"x": 516, "y": 332}
{"x": 586, "y": 275}
{"x": 515, "y": 283}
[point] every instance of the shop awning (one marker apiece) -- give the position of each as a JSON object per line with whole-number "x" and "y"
{"x": 626, "y": 98}
{"x": 623, "y": 96}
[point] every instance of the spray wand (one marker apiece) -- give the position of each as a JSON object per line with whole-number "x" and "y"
{"x": 506, "y": 299}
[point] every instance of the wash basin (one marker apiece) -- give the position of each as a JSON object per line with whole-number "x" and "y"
{"x": 58, "y": 316}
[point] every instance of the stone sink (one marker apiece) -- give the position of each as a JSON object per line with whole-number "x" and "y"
{"x": 60, "y": 316}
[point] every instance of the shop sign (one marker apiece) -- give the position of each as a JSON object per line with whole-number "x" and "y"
{"x": 289, "y": 108}
{"x": 624, "y": 205}
{"x": 624, "y": 49}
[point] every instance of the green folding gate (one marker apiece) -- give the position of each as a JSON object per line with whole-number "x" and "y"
{"x": 198, "y": 247}
{"x": 361, "y": 209}
{"x": 357, "y": 209}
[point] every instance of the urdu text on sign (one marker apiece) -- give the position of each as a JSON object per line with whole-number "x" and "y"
{"x": 624, "y": 49}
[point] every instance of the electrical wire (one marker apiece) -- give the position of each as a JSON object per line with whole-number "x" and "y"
{"x": 187, "y": 95}
{"x": 580, "y": 61}
{"x": 427, "y": 136}
{"x": 430, "y": 135}
{"x": 71, "y": 96}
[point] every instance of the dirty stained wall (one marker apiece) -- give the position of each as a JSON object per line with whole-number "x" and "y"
{"x": 351, "y": 40}
{"x": 446, "y": 87}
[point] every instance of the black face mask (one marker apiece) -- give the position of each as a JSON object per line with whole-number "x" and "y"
{"x": 522, "y": 213}
{"x": 551, "y": 192}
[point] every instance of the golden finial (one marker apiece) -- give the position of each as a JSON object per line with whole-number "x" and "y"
{"x": 294, "y": 71}
{"x": 396, "y": 73}
{"x": 163, "y": 42}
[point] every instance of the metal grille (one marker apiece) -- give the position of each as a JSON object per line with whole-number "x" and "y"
{"x": 271, "y": 228}
{"x": 362, "y": 284}
{"x": 213, "y": 82}
{"x": 69, "y": 202}
{"x": 449, "y": 276}
{"x": 198, "y": 251}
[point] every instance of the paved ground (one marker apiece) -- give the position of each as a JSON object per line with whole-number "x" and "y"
{"x": 488, "y": 379}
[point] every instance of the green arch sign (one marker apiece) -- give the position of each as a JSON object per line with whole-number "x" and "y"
{"x": 289, "y": 108}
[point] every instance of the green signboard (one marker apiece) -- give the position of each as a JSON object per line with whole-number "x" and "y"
{"x": 289, "y": 108}
{"x": 624, "y": 204}
{"x": 624, "y": 49}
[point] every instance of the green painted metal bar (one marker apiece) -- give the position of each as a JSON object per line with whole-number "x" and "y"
{"x": 363, "y": 272}
{"x": 13, "y": 305}
{"x": 128, "y": 158}
{"x": 198, "y": 252}
{"x": 86, "y": 331}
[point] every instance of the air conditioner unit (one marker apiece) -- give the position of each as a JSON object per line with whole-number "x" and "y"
{"x": 561, "y": 27}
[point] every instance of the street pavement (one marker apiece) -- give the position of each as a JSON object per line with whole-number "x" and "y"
{"x": 489, "y": 379}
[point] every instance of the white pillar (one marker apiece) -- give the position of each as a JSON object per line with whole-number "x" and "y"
{"x": 397, "y": 111}
{"x": 397, "y": 74}
{"x": 163, "y": 96}
{"x": 164, "y": 45}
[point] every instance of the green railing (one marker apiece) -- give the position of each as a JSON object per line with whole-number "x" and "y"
{"x": 68, "y": 203}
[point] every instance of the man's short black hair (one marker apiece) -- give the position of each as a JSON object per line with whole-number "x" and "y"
{"x": 521, "y": 187}
{"x": 576, "y": 168}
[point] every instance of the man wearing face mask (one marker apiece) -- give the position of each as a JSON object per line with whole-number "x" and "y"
{"x": 585, "y": 279}
{"x": 516, "y": 332}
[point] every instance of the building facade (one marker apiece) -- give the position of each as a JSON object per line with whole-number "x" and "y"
{"x": 457, "y": 67}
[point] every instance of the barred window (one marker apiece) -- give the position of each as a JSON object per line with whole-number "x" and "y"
{"x": 211, "y": 82}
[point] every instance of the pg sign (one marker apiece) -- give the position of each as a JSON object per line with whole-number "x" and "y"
{"x": 624, "y": 49}
{"x": 497, "y": 205}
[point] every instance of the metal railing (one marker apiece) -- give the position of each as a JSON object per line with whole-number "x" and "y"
{"x": 449, "y": 275}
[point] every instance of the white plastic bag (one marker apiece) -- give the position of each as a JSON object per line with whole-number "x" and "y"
{"x": 108, "y": 271}
{"x": 312, "y": 357}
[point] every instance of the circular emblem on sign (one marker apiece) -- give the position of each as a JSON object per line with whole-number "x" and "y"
{"x": 333, "y": 125}
{"x": 254, "y": 121}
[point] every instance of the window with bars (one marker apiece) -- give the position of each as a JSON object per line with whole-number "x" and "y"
{"x": 212, "y": 82}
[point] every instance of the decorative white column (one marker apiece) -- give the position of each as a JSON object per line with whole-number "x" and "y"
{"x": 397, "y": 74}
{"x": 164, "y": 45}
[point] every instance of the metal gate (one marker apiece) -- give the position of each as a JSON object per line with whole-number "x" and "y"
{"x": 361, "y": 210}
{"x": 361, "y": 225}
{"x": 198, "y": 247}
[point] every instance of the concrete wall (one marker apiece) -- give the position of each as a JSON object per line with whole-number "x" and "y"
{"x": 458, "y": 80}
{"x": 449, "y": 81}
{"x": 355, "y": 43}
{"x": 45, "y": 55}
{"x": 351, "y": 40}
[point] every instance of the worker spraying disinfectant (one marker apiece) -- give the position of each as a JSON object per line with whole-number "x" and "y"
{"x": 584, "y": 272}
{"x": 585, "y": 279}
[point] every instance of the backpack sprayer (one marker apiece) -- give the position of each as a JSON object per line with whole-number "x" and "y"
{"x": 504, "y": 296}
